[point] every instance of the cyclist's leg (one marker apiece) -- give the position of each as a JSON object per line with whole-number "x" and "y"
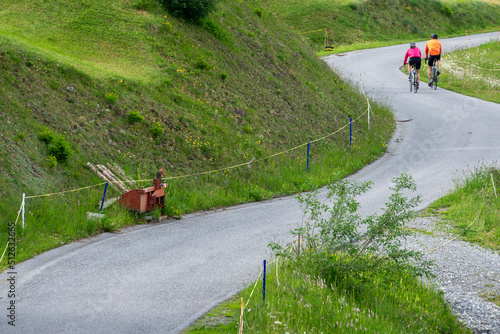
{"x": 418, "y": 64}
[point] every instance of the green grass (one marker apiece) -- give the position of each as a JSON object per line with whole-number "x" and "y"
{"x": 472, "y": 208}
{"x": 235, "y": 89}
{"x": 94, "y": 35}
{"x": 371, "y": 23}
{"x": 124, "y": 82}
{"x": 376, "y": 301}
{"x": 474, "y": 72}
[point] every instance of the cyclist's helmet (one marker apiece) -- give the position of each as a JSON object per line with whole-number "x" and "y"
{"x": 434, "y": 36}
{"x": 412, "y": 45}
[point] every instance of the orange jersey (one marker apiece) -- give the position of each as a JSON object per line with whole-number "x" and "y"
{"x": 433, "y": 47}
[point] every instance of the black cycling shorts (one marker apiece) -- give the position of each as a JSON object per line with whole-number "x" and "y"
{"x": 432, "y": 59}
{"x": 417, "y": 61}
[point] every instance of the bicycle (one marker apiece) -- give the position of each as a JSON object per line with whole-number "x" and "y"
{"x": 413, "y": 79}
{"x": 434, "y": 78}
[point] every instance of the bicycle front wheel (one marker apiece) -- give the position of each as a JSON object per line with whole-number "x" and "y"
{"x": 434, "y": 79}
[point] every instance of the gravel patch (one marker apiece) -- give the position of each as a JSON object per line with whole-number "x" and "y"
{"x": 464, "y": 272}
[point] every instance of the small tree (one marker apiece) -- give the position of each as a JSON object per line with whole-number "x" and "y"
{"x": 332, "y": 239}
{"x": 190, "y": 9}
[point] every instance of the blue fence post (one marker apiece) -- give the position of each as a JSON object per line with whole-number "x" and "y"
{"x": 350, "y": 131}
{"x": 264, "y": 284}
{"x": 308, "y": 147}
{"x": 104, "y": 196}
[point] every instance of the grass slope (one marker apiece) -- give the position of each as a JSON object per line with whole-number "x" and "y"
{"x": 236, "y": 88}
{"x": 370, "y": 23}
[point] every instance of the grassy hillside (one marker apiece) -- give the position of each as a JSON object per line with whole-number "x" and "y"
{"x": 236, "y": 88}
{"x": 366, "y": 23}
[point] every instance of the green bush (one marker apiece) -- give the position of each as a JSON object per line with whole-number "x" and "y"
{"x": 202, "y": 64}
{"x": 156, "y": 129}
{"x": 446, "y": 10}
{"x": 134, "y": 116}
{"x": 190, "y": 9}
{"x": 59, "y": 148}
{"x": 46, "y": 136}
{"x": 333, "y": 238}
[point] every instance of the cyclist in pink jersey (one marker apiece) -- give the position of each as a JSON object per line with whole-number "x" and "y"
{"x": 415, "y": 58}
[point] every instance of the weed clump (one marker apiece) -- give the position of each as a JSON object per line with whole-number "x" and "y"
{"x": 60, "y": 149}
{"x": 156, "y": 129}
{"x": 46, "y": 136}
{"x": 57, "y": 147}
{"x": 446, "y": 10}
{"x": 111, "y": 98}
{"x": 134, "y": 116}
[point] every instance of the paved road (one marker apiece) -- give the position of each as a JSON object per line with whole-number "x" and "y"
{"x": 160, "y": 278}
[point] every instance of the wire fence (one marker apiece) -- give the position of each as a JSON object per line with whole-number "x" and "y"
{"x": 21, "y": 212}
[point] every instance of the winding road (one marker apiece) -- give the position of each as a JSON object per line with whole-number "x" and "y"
{"x": 160, "y": 278}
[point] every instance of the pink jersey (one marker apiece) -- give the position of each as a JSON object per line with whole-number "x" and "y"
{"x": 412, "y": 53}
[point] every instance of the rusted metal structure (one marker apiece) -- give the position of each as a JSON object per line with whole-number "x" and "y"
{"x": 148, "y": 199}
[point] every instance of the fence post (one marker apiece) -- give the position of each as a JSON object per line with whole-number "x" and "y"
{"x": 22, "y": 208}
{"x": 368, "y": 113}
{"x": 264, "y": 284}
{"x": 308, "y": 147}
{"x": 104, "y": 196}
{"x": 241, "y": 317}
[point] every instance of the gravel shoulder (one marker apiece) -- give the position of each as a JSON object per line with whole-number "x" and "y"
{"x": 464, "y": 272}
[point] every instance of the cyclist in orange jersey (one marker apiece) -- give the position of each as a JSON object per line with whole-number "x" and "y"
{"x": 433, "y": 54}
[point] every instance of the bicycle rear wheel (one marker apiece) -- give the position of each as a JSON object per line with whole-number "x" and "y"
{"x": 434, "y": 79}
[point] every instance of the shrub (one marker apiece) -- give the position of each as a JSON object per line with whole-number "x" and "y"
{"x": 59, "y": 148}
{"x": 134, "y": 116}
{"x": 446, "y": 10}
{"x": 223, "y": 75}
{"x": 46, "y": 136}
{"x": 156, "y": 129}
{"x": 332, "y": 234}
{"x": 190, "y": 9}
{"x": 202, "y": 64}
{"x": 258, "y": 12}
